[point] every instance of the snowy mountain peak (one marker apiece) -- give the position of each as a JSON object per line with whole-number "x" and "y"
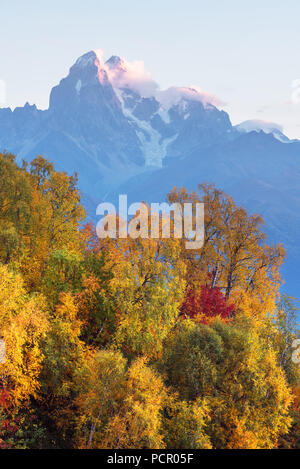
{"x": 111, "y": 123}
{"x": 132, "y": 75}
{"x": 257, "y": 125}
{"x": 121, "y": 97}
{"x": 85, "y": 60}
{"x": 115, "y": 62}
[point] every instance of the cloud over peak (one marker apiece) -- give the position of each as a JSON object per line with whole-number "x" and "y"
{"x": 124, "y": 74}
{"x": 174, "y": 95}
{"x": 133, "y": 75}
{"x": 257, "y": 125}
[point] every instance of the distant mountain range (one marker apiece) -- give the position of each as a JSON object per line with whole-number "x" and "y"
{"x": 109, "y": 122}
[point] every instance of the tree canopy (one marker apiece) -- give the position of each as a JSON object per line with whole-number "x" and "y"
{"x": 140, "y": 343}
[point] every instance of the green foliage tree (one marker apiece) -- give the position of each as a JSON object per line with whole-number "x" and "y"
{"x": 239, "y": 377}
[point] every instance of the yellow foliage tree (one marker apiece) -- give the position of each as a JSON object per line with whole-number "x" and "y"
{"x": 234, "y": 255}
{"x": 185, "y": 423}
{"x": 100, "y": 388}
{"x": 138, "y": 422}
{"x": 23, "y": 323}
{"x": 146, "y": 288}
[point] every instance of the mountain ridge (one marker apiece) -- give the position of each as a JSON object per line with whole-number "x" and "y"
{"x": 112, "y": 124}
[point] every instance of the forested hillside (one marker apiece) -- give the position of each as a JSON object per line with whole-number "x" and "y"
{"x": 139, "y": 343}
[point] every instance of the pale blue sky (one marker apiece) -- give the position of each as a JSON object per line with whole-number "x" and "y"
{"x": 245, "y": 52}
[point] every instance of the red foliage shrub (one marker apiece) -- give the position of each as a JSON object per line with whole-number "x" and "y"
{"x": 209, "y": 301}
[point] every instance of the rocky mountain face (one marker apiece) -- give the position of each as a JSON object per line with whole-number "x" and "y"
{"x": 102, "y": 127}
{"x": 110, "y": 123}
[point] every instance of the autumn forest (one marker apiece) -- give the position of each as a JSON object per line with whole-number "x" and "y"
{"x": 140, "y": 343}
